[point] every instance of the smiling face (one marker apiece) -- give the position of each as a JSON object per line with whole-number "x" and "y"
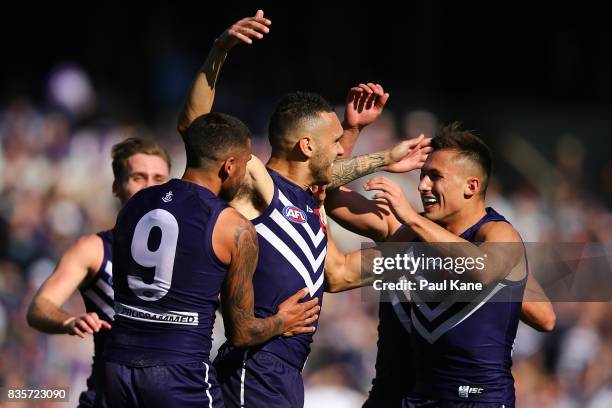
{"x": 326, "y": 137}
{"x": 448, "y": 181}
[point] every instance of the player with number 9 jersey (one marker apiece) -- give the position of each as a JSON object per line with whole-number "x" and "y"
{"x": 171, "y": 263}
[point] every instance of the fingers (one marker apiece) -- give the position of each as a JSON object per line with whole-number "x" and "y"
{"x": 78, "y": 332}
{"x": 426, "y": 150}
{"x": 413, "y": 142}
{"x": 382, "y": 184}
{"x": 299, "y": 330}
{"x": 367, "y": 96}
{"x": 105, "y": 325}
{"x": 251, "y": 27}
{"x": 310, "y": 308}
{"x": 311, "y": 319}
{"x": 259, "y": 17}
{"x": 256, "y": 26}
{"x": 297, "y": 296}
{"x": 82, "y": 325}
{"x": 242, "y": 37}
{"x": 382, "y": 100}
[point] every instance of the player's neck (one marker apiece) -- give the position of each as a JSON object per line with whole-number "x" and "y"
{"x": 465, "y": 218}
{"x": 208, "y": 180}
{"x": 295, "y": 171}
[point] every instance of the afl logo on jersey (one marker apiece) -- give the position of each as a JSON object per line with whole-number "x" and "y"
{"x": 294, "y": 214}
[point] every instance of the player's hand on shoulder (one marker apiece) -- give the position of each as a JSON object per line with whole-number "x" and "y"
{"x": 85, "y": 323}
{"x": 364, "y": 104}
{"x": 297, "y": 317}
{"x": 244, "y": 31}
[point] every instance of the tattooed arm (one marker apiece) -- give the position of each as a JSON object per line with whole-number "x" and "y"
{"x": 403, "y": 157}
{"x": 235, "y": 244}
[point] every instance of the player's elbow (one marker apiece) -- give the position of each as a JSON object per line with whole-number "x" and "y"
{"x": 548, "y": 323}
{"x": 237, "y": 339}
{"x": 335, "y": 283}
{"x": 242, "y": 337}
{"x": 31, "y": 316}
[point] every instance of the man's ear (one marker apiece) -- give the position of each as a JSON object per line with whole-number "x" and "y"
{"x": 472, "y": 187}
{"x": 306, "y": 145}
{"x": 115, "y": 188}
{"x": 229, "y": 166}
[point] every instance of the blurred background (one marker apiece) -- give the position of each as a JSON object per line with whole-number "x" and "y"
{"x": 535, "y": 82}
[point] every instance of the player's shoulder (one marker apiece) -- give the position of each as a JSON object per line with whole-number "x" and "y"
{"x": 498, "y": 231}
{"x": 88, "y": 243}
{"x": 231, "y": 232}
{"x": 231, "y": 219}
{"x": 87, "y": 251}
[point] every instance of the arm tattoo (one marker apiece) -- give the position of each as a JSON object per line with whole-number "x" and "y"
{"x": 244, "y": 329}
{"x": 345, "y": 171}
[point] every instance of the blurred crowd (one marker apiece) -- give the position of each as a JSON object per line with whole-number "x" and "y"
{"x": 55, "y": 185}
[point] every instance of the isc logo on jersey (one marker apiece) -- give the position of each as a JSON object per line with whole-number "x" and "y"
{"x": 466, "y": 391}
{"x": 294, "y": 214}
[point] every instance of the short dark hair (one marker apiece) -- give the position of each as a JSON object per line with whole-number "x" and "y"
{"x": 213, "y": 136}
{"x": 122, "y": 151}
{"x": 466, "y": 144}
{"x": 291, "y": 110}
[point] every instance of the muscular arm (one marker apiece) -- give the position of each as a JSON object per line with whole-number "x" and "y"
{"x": 403, "y": 157}
{"x": 347, "y": 170}
{"x": 236, "y": 244}
{"x": 343, "y": 271}
{"x": 537, "y": 311}
{"x": 79, "y": 263}
{"x": 360, "y": 215}
{"x": 202, "y": 93}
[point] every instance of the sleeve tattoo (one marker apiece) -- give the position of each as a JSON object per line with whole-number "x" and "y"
{"x": 345, "y": 171}
{"x": 238, "y": 298}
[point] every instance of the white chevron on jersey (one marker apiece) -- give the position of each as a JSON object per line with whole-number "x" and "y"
{"x": 98, "y": 301}
{"x": 105, "y": 287}
{"x": 400, "y": 312}
{"x": 316, "y": 239}
{"x": 453, "y": 320}
{"x": 299, "y": 240}
{"x": 285, "y": 251}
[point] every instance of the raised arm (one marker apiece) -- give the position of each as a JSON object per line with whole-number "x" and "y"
{"x": 235, "y": 243}
{"x": 202, "y": 94}
{"x": 401, "y": 158}
{"x": 364, "y": 104}
{"x": 77, "y": 265}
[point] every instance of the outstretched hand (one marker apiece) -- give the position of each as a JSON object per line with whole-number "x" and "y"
{"x": 409, "y": 155}
{"x": 364, "y": 104}
{"x": 244, "y": 31}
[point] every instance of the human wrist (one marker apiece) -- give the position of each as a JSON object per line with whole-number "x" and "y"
{"x": 67, "y": 324}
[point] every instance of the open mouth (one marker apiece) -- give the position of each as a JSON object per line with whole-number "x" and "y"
{"x": 429, "y": 202}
